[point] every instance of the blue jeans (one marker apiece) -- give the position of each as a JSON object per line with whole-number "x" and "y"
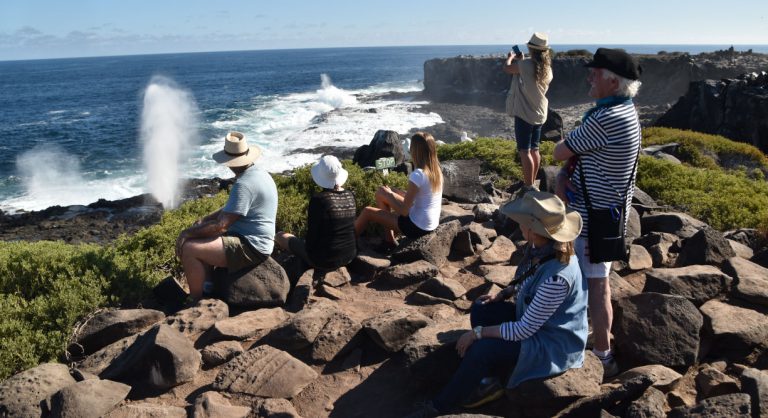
{"x": 527, "y": 136}
{"x": 484, "y": 358}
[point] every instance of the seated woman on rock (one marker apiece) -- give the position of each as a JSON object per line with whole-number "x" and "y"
{"x": 330, "y": 241}
{"x": 415, "y": 212}
{"x": 544, "y": 332}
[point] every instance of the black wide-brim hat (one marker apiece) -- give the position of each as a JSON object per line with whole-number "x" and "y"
{"x": 617, "y": 61}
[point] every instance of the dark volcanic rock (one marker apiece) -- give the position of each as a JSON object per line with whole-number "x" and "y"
{"x": 651, "y": 328}
{"x": 461, "y": 181}
{"x": 383, "y": 144}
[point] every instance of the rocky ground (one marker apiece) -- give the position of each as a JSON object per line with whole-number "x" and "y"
{"x": 374, "y": 338}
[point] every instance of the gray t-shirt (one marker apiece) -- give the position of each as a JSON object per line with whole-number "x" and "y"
{"x": 526, "y": 98}
{"x": 254, "y": 196}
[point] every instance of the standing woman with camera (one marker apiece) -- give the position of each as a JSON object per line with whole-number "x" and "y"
{"x": 527, "y": 101}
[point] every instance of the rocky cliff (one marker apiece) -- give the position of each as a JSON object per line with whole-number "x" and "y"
{"x": 734, "y": 108}
{"x": 481, "y": 81}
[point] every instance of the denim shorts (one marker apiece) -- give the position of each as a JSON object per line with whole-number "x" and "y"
{"x": 527, "y": 136}
{"x": 589, "y": 269}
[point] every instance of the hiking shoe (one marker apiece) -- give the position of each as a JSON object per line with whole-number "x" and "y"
{"x": 486, "y": 392}
{"x": 424, "y": 410}
{"x": 610, "y": 368}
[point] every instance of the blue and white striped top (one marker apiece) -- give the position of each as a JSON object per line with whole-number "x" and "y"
{"x": 548, "y": 298}
{"x": 607, "y": 143}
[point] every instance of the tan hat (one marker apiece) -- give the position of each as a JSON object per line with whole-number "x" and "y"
{"x": 546, "y": 215}
{"x": 539, "y": 41}
{"x": 328, "y": 172}
{"x": 236, "y": 151}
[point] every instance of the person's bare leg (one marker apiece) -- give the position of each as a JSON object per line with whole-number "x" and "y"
{"x": 198, "y": 257}
{"x": 282, "y": 238}
{"x": 382, "y": 217}
{"x": 601, "y": 312}
{"x": 526, "y": 163}
{"x": 536, "y": 160}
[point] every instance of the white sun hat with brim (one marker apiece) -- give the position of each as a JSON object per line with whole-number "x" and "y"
{"x": 546, "y": 215}
{"x": 539, "y": 41}
{"x": 328, "y": 172}
{"x": 236, "y": 152}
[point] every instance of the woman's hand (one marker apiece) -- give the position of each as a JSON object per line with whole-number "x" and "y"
{"x": 464, "y": 342}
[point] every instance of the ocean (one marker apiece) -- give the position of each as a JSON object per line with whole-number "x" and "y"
{"x": 73, "y": 131}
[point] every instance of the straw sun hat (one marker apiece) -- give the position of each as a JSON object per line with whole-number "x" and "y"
{"x": 328, "y": 172}
{"x": 539, "y": 41}
{"x": 546, "y": 215}
{"x": 236, "y": 152}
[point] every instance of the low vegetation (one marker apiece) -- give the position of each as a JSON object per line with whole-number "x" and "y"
{"x": 45, "y": 287}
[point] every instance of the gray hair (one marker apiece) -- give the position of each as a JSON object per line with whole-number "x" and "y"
{"x": 627, "y": 87}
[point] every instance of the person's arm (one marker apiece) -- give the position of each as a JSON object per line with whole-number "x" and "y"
{"x": 549, "y": 296}
{"x": 212, "y": 227}
{"x": 402, "y": 207}
{"x": 317, "y": 214}
{"x": 510, "y": 65}
{"x": 562, "y": 152}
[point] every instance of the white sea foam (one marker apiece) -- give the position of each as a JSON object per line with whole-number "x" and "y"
{"x": 168, "y": 132}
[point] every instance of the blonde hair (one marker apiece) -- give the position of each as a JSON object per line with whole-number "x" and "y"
{"x": 564, "y": 251}
{"x": 543, "y": 60}
{"x": 424, "y": 156}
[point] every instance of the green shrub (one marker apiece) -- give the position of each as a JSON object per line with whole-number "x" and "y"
{"x": 710, "y": 151}
{"x": 723, "y": 200}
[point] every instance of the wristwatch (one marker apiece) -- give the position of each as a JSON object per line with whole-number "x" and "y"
{"x": 478, "y": 330}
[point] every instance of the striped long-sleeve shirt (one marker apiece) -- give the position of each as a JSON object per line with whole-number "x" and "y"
{"x": 549, "y": 296}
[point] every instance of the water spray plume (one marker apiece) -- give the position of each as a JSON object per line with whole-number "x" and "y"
{"x": 168, "y": 131}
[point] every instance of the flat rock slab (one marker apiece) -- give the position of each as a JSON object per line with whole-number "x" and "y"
{"x": 431, "y": 351}
{"x": 147, "y": 410}
{"x": 544, "y": 397}
{"x": 22, "y": 393}
{"x": 299, "y": 297}
{"x": 266, "y": 372}
{"x": 736, "y": 405}
{"x": 336, "y": 278}
{"x": 751, "y": 280}
{"x": 499, "y": 252}
{"x": 367, "y": 265}
{"x": 100, "y": 360}
{"x": 498, "y": 274}
{"x": 214, "y": 405}
{"x": 433, "y": 247}
{"x": 265, "y": 286}
{"x": 335, "y": 337}
{"x": 737, "y": 331}
{"x": 675, "y": 223}
{"x": 698, "y": 283}
{"x": 712, "y": 382}
{"x": 442, "y": 288}
{"x": 246, "y": 325}
{"x": 482, "y": 235}
{"x": 755, "y": 383}
{"x": 195, "y": 320}
{"x": 662, "y": 377}
{"x": 109, "y": 326}
{"x": 639, "y": 258}
{"x": 403, "y": 275}
{"x": 452, "y": 212}
{"x": 88, "y": 399}
{"x": 141, "y": 361}
{"x": 391, "y": 329}
{"x": 304, "y": 327}
{"x": 275, "y": 408}
{"x": 220, "y": 353}
{"x": 653, "y": 328}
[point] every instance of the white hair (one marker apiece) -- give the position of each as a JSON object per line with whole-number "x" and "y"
{"x": 626, "y": 87}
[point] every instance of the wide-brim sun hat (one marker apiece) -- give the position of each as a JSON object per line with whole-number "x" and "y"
{"x": 329, "y": 173}
{"x": 539, "y": 41}
{"x": 546, "y": 215}
{"x": 236, "y": 152}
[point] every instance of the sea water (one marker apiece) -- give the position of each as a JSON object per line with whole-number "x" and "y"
{"x": 71, "y": 129}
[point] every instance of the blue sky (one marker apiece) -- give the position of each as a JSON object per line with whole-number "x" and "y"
{"x": 61, "y": 28}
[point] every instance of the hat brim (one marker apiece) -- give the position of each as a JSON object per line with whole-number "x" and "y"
{"x": 568, "y": 232}
{"x": 537, "y": 47}
{"x": 328, "y": 183}
{"x": 253, "y": 154}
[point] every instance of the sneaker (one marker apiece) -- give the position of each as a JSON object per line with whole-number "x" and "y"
{"x": 610, "y": 368}
{"x": 488, "y": 391}
{"x": 424, "y": 410}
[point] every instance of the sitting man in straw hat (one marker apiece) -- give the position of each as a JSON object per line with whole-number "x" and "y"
{"x": 544, "y": 332}
{"x": 239, "y": 235}
{"x": 330, "y": 240}
{"x": 606, "y": 147}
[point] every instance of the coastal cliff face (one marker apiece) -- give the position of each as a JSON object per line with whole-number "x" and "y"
{"x": 481, "y": 81}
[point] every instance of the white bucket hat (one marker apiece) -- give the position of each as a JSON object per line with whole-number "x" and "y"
{"x": 546, "y": 215}
{"x": 539, "y": 41}
{"x": 236, "y": 151}
{"x": 328, "y": 172}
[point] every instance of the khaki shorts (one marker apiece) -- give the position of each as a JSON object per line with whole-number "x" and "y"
{"x": 240, "y": 254}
